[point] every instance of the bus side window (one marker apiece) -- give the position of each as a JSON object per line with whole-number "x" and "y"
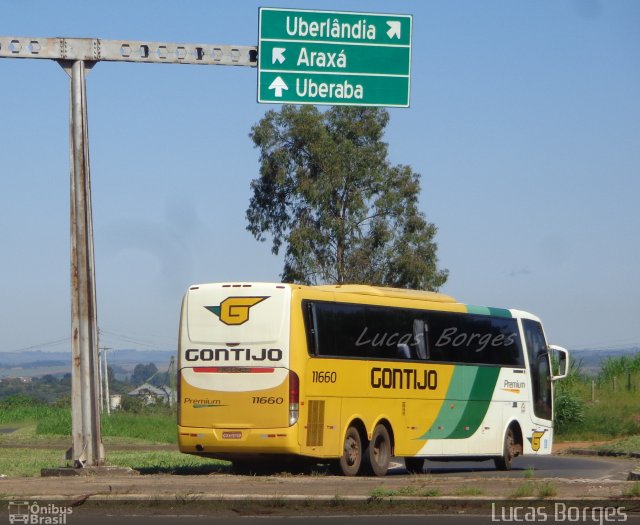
{"x": 539, "y": 368}
{"x": 421, "y": 341}
{"x": 312, "y": 338}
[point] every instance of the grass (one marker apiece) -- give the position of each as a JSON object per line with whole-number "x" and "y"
{"x": 45, "y": 432}
{"x": 157, "y": 425}
{"x": 633, "y": 491}
{"x": 28, "y": 462}
{"x": 48, "y": 451}
{"x": 11, "y": 415}
{"x": 409, "y": 490}
{"x": 546, "y": 489}
{"x": 158, "y": 428}
{"x": 25, "y": 433}
{"x": 165, "y": 462}
{"x": 623, "y": 446}
{"x": 154, "y": 427}
{"x": 524, "y": 490}
{"x": 542, "y": 489}
{"x": 25, "y": 462}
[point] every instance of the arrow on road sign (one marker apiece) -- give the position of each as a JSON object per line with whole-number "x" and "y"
{"x": 394, "y": 29}
{"x": 277, "y": 55}
{"x": 278, "y": 85}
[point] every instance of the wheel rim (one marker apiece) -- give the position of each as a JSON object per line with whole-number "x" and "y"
{"x": 380, "y": 451}
{"x": 352, "y": 451}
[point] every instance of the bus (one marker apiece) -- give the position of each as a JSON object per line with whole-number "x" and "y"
{"x": 355, "y": 375}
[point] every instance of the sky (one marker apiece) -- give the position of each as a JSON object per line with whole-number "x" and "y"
{"x": 524, "y": 123}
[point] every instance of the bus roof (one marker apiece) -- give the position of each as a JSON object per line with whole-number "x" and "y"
{"x": 381, "y": 291}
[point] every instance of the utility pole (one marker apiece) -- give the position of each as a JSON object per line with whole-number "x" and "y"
{"x": 77, "y": 56}
{"x": 100, "y": 375}
{"x": 87, "y": 448}
{"x": 106, "y": 380}
{"x": 171, "y": 372}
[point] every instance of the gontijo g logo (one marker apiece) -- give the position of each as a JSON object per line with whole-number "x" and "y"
{"x": 535, "y": 439}
{"x": 235, "y": 310}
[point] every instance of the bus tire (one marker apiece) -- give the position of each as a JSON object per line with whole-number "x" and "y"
{"x": 414, "y": 465}
{"x": 508, "y": 451}
{"x": 351, "y": 459}
{"x": 378, "y": 453}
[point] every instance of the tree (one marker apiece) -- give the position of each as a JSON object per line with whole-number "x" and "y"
{"x": 142, "y": 373}
{"x": 327, "y": 192}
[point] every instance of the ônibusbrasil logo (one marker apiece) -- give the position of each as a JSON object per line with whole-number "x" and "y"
{"x": 38, "y": 513}
{"x": 235, "y": 310}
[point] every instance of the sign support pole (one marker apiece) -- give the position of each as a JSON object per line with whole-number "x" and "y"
{"x": 87, "y": 448}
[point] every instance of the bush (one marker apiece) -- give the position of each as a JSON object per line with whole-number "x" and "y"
{"x": 57, "y": 422}
{"x": 617, "y": 366}
{"x": 134, "y": 405}
{"x": 19, "y": 401}
{"x": 137, "y": 405}
{"x": 569, "y": 409}
{"x": 21, "y": 408}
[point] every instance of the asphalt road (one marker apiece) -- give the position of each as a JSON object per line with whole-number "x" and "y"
{"x": 568, "y": 467}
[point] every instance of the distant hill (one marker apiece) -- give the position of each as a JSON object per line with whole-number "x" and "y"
{"x": 36, "y": 362}
{"x": 590, "y": 360}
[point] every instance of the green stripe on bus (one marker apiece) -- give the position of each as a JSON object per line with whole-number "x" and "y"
{"x": 479, "y": 401}
{"x": 488, "y": 310}
{"x": 455, "y": 403}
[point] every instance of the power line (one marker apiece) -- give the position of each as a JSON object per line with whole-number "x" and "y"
{"x": 148, "y": 343}
{"x": 135, "y": 340}
{"x": 55, "y": 342}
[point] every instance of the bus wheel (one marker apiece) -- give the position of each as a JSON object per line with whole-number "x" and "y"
{"x": 378, "y": 453}
{"x": 508, "y": 451}
{"x": 414, "y": 465}
{"x": 351, "y": 459}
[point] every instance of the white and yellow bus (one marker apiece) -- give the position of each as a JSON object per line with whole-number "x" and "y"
{"x": 355, "y": 375}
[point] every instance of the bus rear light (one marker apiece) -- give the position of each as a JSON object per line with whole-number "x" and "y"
{"x": 294, "y": 397}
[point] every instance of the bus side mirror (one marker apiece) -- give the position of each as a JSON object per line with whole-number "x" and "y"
{"x": 559, "y": 362}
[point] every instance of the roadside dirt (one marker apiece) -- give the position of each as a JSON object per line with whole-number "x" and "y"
{"x": 563, "y": 446}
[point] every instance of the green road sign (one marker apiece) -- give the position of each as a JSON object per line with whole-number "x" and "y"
{"x": 333, "y": 57}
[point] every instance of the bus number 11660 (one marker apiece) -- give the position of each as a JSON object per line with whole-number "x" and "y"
{"x": 323, "y": 377}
